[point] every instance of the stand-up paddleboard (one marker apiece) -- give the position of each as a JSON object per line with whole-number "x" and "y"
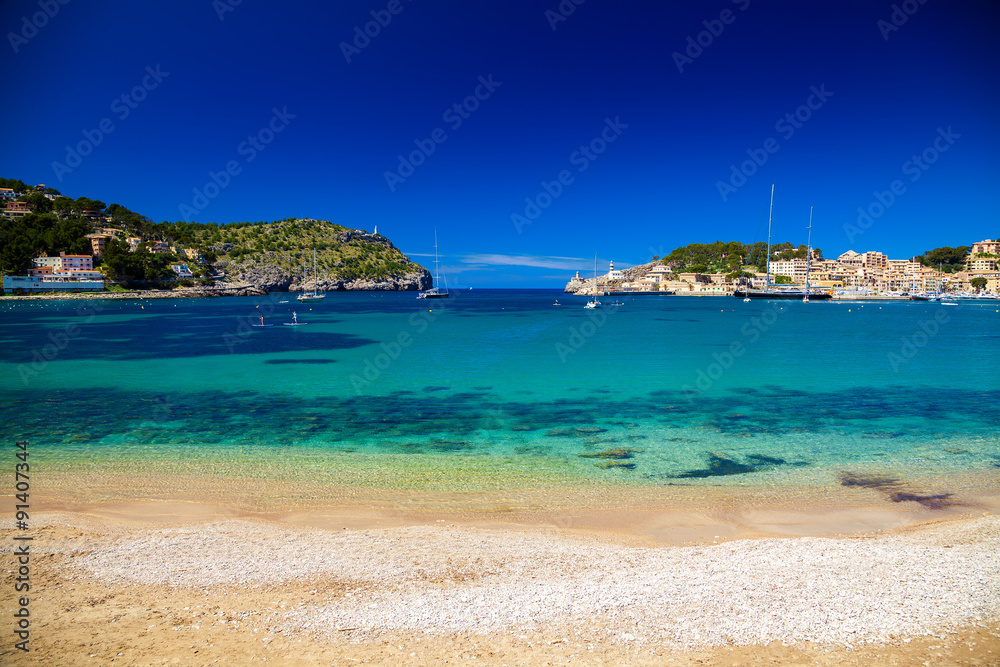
{"x": 294, "y": 324}
{"x": 262, "y": 325}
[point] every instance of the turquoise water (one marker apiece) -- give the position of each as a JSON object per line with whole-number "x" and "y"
{"x": 380, "y": 387}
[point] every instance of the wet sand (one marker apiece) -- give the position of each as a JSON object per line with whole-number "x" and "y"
{"x": 638, "y": 516}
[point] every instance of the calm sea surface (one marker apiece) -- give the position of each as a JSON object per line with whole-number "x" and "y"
{"x": 501, "y": 389}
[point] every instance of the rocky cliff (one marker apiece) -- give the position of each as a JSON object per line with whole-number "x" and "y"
{"x": 272, "y": 278}
{"x": 279, "y": 258}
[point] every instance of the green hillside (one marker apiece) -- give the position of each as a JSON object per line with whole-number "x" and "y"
{"x": 341, "y": 253}
{"x": 61, "y": 225}
{"x": 730, "y": 257}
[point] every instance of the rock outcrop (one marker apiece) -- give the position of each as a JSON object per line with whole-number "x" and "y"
{"x": 219, "y": 290}
{"x": 269, "y": 278}
{"x": 420, "y": 280}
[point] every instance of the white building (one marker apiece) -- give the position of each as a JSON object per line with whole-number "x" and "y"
{"x": 182, "y": 271}
{"x": 615, "y": 275}
{"x": 38, "y": 284}
{"x": 791, "y": 268}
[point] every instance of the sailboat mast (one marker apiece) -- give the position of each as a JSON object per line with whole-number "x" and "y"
{"x": 809, "y": 248}
{"x": 314, "y": 271}
{"x": 770, "y": 214}
{"x": 437, "y": 276}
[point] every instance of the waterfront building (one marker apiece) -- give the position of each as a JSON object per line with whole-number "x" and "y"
{"x": 80, "y": 262}
{"x": 35, "y": 284}
{"x": 65, "y": 268}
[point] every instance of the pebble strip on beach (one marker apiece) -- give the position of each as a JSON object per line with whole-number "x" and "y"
{"x": 447, "y": 579}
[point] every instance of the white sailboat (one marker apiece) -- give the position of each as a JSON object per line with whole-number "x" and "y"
{"x": 594, "y": 303}
{"x": 315, "y": 296}
{"x": 435, "y": 292}
{"x": 805, "y": 299}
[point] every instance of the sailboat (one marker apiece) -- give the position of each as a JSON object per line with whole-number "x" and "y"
{"x": 315, "y": 296}
{"x": 594, "y": 303}
{"x": 922, "y": 296}
{"x": 435, "y": 292}
{"x": 746, "y": 292}
{"x": 782, "y": 292}
{"x": 805, "y": 299}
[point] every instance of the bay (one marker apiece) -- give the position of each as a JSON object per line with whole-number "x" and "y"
{"x": 496, "y": 389}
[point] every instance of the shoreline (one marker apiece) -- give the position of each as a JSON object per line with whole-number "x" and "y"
{"x": 179, "y": 293}
{"x": 634, "y": 515}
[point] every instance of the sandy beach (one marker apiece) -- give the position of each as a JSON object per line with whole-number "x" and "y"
{"x": 664, "y": 576}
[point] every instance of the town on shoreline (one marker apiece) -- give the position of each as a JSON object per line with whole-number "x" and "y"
{"x": 869, "y": 275}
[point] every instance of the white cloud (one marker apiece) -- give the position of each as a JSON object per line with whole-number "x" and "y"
{"x": 449, "y": 269}
{"x": 536, "y": 261}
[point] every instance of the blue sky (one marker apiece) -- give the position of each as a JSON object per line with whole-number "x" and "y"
{"x": 620, "y": 121}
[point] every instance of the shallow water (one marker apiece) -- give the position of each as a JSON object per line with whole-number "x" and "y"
{"x": 385, "y": 389}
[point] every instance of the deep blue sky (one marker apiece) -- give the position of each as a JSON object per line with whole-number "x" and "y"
{"x": 654, "y": 188}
